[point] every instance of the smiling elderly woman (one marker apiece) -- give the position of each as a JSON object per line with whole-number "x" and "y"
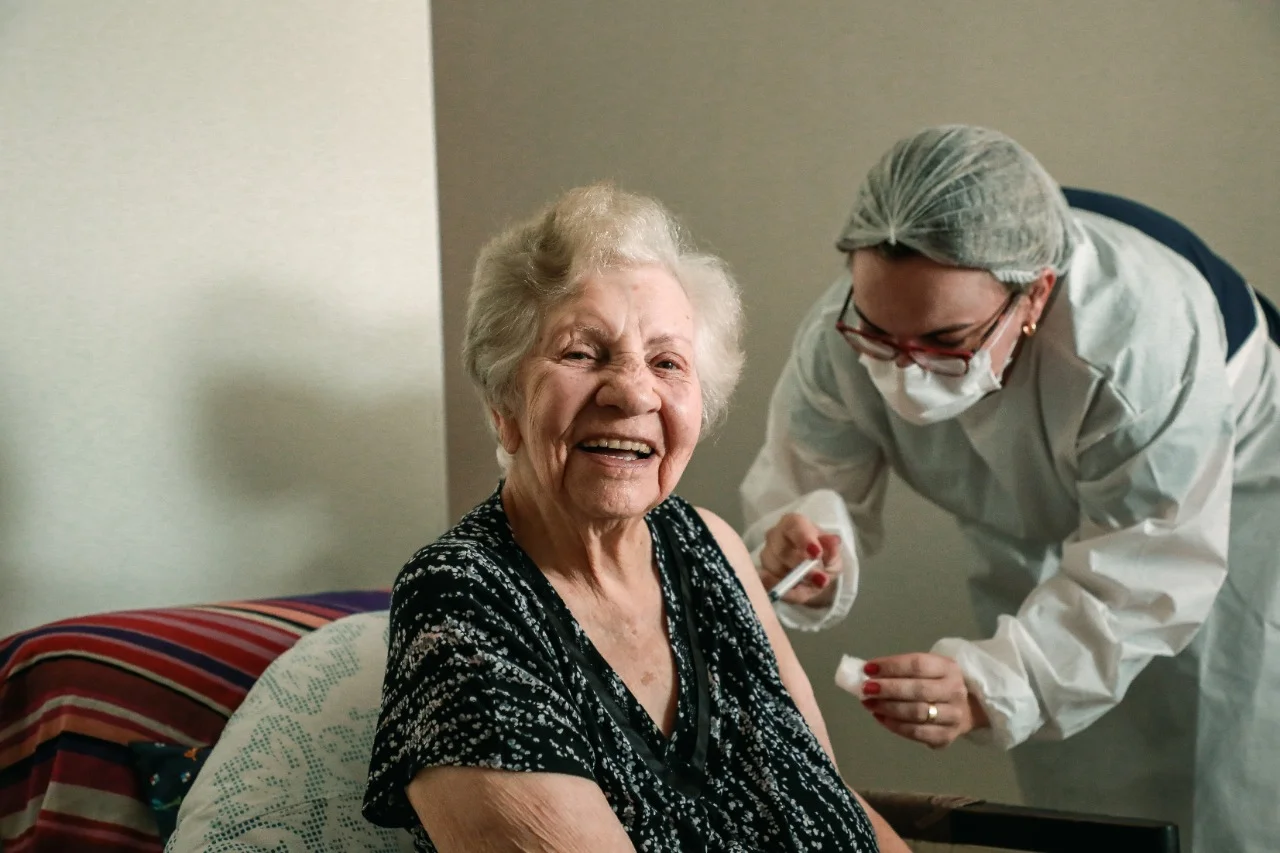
{"x": 586, "y": 662}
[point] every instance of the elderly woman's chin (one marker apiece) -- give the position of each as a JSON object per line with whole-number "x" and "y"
{"x": 612, "y": 486}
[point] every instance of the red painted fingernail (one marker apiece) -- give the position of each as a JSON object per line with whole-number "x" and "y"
{"x": 814, "y": 550}
{"x": 819, "y": 580}
{"x": 879, "y": 717}
{"x": 870, "y": 688}
{"x": 872, "y": 669}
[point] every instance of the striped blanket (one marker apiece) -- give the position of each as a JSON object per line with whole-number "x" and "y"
{"x": 74, "y": 693}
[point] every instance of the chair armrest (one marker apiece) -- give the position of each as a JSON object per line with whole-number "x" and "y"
{"x": 966, "y": 821}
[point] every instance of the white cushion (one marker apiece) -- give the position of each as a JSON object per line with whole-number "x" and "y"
{"x": 290, "y": 769}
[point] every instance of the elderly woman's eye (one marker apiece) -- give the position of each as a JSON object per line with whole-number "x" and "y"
{"x": 668, "y": 364}
{"x": 577, "y": 355}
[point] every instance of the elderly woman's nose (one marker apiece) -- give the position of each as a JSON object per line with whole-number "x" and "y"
{"x": 629, "y": 387}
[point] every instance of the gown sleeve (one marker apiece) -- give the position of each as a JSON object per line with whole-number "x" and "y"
{"x": 812, "y": 444}
{"x": 1139, "y": 576}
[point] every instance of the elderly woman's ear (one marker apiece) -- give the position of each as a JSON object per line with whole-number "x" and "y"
{"x": 508, "y": 432}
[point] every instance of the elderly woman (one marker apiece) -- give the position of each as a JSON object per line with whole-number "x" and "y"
{"x": 586, "y": 662}
{"x": 1094, "y": 395}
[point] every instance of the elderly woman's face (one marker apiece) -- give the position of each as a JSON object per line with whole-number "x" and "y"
{"x": 611, "y": 407}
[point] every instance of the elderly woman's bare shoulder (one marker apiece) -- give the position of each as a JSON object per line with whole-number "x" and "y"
{"x": 735, "y": 550}
{"x": 789, "y": 668}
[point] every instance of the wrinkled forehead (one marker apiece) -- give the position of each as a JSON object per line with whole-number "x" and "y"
{"x": 643, "y": 303}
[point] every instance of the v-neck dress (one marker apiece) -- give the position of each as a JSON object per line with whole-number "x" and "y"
{"x": 488, "y": 668}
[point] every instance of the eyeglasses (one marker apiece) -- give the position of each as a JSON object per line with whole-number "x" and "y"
{"x": 946, "y": 362}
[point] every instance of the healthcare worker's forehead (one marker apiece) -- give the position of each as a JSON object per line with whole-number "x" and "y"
{"x": 909, "y": 297}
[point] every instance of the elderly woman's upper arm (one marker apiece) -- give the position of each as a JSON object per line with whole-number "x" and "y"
{"x": 480, "y": 810}
{"x": 789, "y": 668}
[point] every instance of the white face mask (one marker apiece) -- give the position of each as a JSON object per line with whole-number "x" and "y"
{"x": 923, "y": 397}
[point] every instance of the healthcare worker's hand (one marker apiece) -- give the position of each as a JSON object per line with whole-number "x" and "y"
{"x": 902, "y": 689}
{"x": 789, "y": 543}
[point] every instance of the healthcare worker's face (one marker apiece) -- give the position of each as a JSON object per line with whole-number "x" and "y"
{"x": 917, "y": 301}
{"x": 612, "y": 406}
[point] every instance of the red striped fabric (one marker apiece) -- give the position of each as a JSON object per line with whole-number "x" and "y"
{"x": 74, "y": 693}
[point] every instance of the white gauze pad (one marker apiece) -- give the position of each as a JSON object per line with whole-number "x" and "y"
{"x": 850, "y": 675}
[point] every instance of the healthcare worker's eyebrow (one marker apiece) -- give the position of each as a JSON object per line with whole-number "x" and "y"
{"x": 936, "y": 333}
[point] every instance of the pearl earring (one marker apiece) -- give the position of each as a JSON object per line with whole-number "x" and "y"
{"x": 1029, "y": 329}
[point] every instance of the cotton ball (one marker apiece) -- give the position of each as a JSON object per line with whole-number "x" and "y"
{"x": 851, "y": 675}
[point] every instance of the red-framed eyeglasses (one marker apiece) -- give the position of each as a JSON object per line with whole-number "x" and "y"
{"x": 946, "y": 362}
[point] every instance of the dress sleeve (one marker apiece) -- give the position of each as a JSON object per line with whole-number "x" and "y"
{"x": 470, "y": 682}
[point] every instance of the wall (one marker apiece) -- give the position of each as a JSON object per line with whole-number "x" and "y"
{"x": 755, "y": 120}
{"x": 219, "y": 343}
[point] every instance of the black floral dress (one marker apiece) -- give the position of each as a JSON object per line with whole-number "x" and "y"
{"x": 488, "y": 668}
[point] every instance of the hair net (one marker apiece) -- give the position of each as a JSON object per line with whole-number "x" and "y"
{"x": 966, "y": 197}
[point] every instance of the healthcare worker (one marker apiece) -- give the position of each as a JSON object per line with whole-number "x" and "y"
{"x": 1094, "y": 395}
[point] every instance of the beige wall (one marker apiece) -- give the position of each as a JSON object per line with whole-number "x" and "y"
{"x": 219, "y": 301}
{"x": 755, "y": 120}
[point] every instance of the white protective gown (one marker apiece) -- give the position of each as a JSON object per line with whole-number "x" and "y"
{"x": 1123, "y": 489}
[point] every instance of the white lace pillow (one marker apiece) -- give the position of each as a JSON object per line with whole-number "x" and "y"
{"x": 290, "y": 769}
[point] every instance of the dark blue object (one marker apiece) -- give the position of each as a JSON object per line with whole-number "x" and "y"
{"x": 165, "y": 774}
{"x": 1234, "y": 302}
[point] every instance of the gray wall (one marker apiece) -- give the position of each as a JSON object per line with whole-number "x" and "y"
{"x": 219, "y": 301}
{"x": 755, "y": 120}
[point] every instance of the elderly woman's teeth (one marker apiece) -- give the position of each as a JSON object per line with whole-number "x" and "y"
{"x": 639, "y": 448}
